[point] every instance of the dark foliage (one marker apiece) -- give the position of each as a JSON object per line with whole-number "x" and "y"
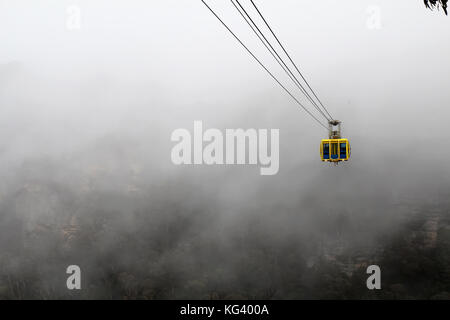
{"x": 432, "y": 4}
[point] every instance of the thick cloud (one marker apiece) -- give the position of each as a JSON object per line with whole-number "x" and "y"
{"x": 86, "y": 118}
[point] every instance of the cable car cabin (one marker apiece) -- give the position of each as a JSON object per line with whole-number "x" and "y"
{"x": 334, "y": 150}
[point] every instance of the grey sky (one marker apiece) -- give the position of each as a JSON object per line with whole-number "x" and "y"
{"x": 145, "y": 68}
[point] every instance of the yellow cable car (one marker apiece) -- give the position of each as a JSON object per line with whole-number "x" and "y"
{"x": 334, "y": 149}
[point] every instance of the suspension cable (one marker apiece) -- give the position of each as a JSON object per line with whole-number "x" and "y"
{"x": 262, "y": 65}
{"x": 287, "y": 54}
{"x": 283, "y": 65}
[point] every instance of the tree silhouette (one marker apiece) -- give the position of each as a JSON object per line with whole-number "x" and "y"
{"x": 432, "y": 4}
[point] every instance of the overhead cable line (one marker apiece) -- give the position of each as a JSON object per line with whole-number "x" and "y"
{"x": 276, "y": 56}
{"x": 262, "y": 65}
{"x": 287, "y": 54}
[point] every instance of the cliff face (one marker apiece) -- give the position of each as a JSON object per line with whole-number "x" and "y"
{"x": 436, "y": 4}
{"x": 135, "y": 245}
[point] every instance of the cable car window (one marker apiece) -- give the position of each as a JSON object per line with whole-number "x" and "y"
{"x": 334, "y": 150}
{"x": 343, "y": 150}
{"x": 326, "y": 151}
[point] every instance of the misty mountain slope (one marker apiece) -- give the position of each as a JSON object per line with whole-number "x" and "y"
{"x": 168, "y": 239}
